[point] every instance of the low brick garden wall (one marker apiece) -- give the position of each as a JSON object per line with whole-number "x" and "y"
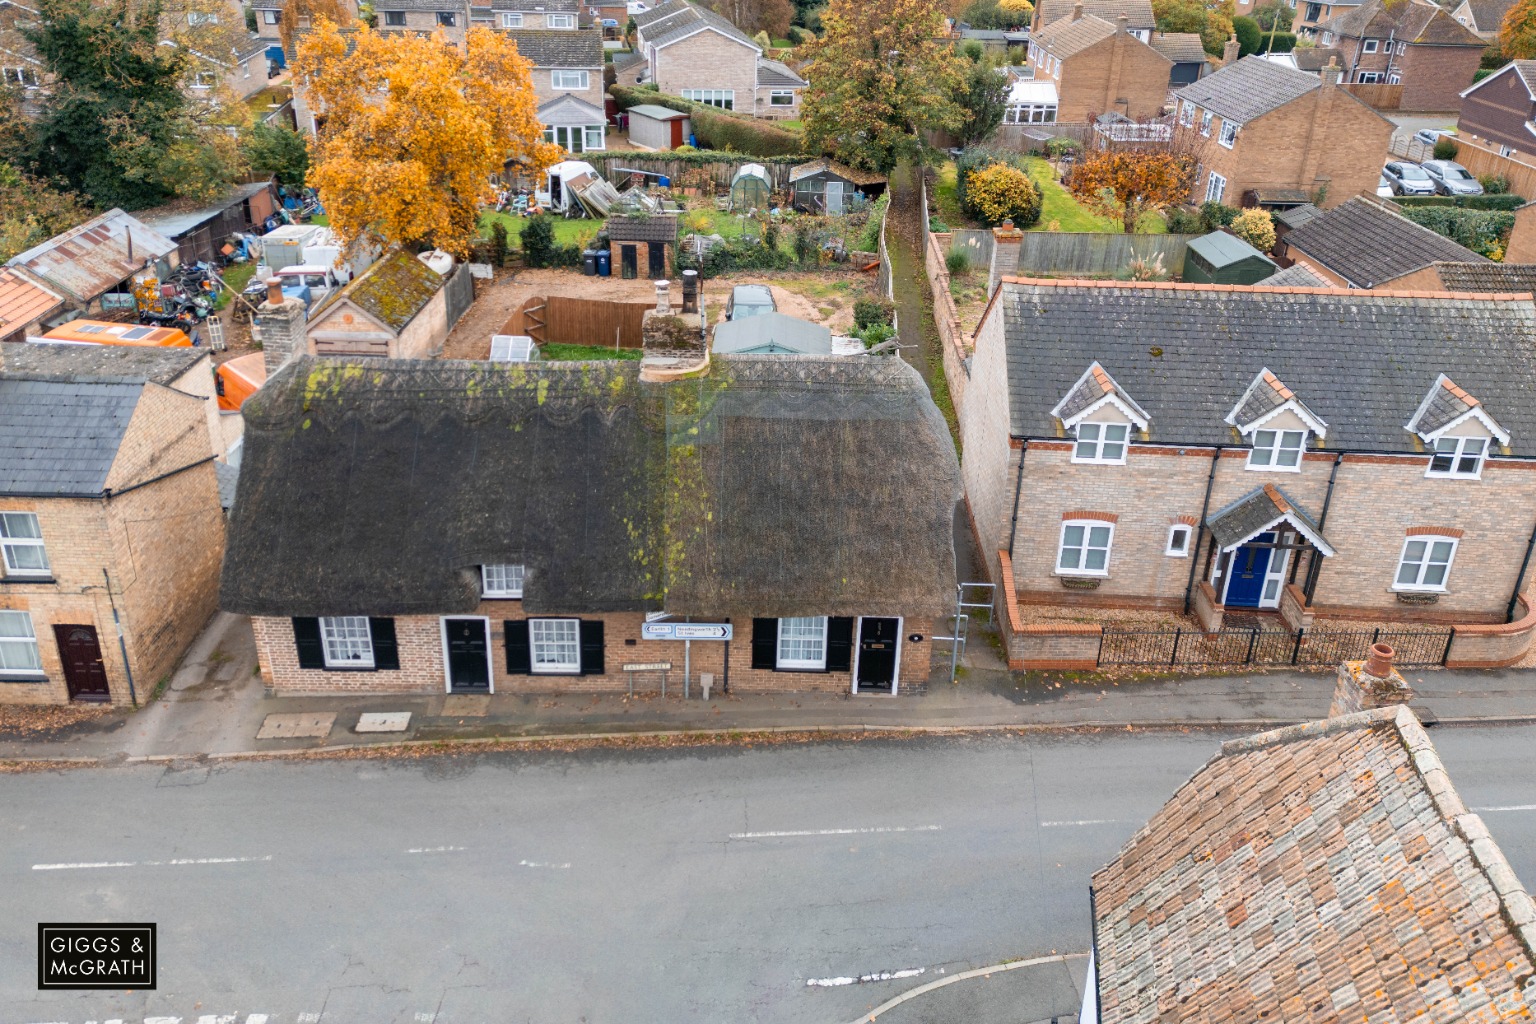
{"x": 1493, "y": 646}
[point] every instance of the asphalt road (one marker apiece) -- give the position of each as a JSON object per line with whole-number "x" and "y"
{"x": 677, "y": 886}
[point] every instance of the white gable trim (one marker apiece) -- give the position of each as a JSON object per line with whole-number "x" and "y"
{"x": 757, "y": 50}
{"x": 1506, "y": 69}
{"x": 1129, "y": 413}
{"x": 1474, "y": 413}
{"x": 1301, "y": 528}
{"x": 1127, "y": 405}
{"x": 1314, "y": 424}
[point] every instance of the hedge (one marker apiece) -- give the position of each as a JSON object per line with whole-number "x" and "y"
{"x": 1283, "y": 42}
{"x": 1478, "y": 230}
{"x": 693, "y": 158}
{"x": 716, "y": 128}
{"x": 1485, "y": 202}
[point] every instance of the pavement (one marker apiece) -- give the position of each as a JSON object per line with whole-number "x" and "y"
{"x": 216, "y": 705}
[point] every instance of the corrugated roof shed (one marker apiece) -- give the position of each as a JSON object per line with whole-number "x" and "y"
{"x": 58, "y": 438}
{"x": 86, "y": 261}
{"x": 175, "y": 219}
{"x": 23, "y": 301}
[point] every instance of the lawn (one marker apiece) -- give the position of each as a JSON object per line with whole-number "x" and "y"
{"x": 236, "y": 276}
{"x": 1058, "y": 208}
{"x": 573, "y": 231}
{"x": 583, "y": 353}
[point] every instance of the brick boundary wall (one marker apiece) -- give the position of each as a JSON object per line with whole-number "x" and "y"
{"x": 1063, "y": 646}
{"x": 1493, "y": 646}
{"x": 946, "y": 317}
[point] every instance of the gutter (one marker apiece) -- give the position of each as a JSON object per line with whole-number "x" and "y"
{"x": 109, "y": 494}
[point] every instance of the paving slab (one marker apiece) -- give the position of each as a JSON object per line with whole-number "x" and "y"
{"x": 300, "y": 725}
{"x": 383, "y": 721}
{"x": 466, "y": 705}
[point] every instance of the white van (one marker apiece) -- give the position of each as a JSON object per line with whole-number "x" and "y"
{"x": 321, "y": 281}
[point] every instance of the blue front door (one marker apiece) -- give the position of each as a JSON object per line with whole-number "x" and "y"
{"x": 1249, "y": 565}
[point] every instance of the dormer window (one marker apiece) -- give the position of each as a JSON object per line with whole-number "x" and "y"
{"x": 1456, "y": 429}
{"x": 1277, "y": 449}
{"x": 1458, "y": 456}
{"x": 1101, "y": 442}
{"x": 1275, "y": 423}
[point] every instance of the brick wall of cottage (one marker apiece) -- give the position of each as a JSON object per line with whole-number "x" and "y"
{"x": 1119, "y": 74}
{"x": 418, "y": 22}
{"x": 422, "y": 663}
{"x": 544, "y": 86}
{"x": 709, "y": 60}
{"x": 1434, "y": 76}
{"x": 1323, "y": 137}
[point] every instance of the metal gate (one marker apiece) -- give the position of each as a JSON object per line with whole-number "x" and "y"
{"x": 1310, "y": 648}
{"x": 459, "y": 291}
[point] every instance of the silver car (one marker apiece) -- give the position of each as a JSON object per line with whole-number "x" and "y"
{"x": 1451, "y": 178}
{"x": 1408, "y": 179}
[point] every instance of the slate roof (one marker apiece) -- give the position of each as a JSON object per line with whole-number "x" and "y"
{"x": 125, "y": 362}
{"x": 394, "y": 290}
{"x": 1488, "y": 15}
{"x": 228, "y": 478}
{"x": 624, "y": 61}
{"x": 580, "y": 48}
{"x": 58, "y": 438}
{"x": 1189, "y": 352}
{"x": 677, "y": 19}
{"x": 1093, "y": 385}
{"x": 1257, "y": 511}
{"x": 570, "y": 110}
{"x": 1296, "y": 216}
{"x": 1315, "y": 58}
{"x": 1296, "y": 276}
{"x": 774, "y": 73}
{"x": 93, "y": 257}
{"x": 1266, "y": 394}
{"x": 1066, "y": 37}
{"x": 1411, "y": 21}
{"x": 23, "y": 300}
{"x": 780, "y": 331}
{"x": 1322, "y": 872}
{"x": 1248, "y": 89}
{"x": 1179, "y": 47}
{"x": 1445, "y": 404}
{"x": 1487, "y": 277}
{"x": 655, "y": 228}
{"x": 772, "y": 486}
{"x": 1138, "y": 11}
{"x": 1368, "y": 245}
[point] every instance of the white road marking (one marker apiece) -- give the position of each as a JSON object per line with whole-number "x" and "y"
{"x": 224, "y": 1018}
{"x": 835, "y": 832}
{"x": 1507, "y": 807}
{"x": 540, "y": 864}
{"x": 162, "y": 1020}
{"x": 309, "y": 1018}
{"x": 256, "y": 1018}
{"x": 425, "y": 1018}
{"x": 1085, "y": 821}
{"x": 153, "y": 864}
{"x": 99, "y": 864}
{"x": 862, "y": 979}
{"x": 437, "y": 849}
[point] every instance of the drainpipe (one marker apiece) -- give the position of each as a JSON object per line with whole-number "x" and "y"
{"x": 122, "y": 645}
{"x": 1194, "y": 549}
{"x": 1093, "y": 957}
{"x": 1018, "y": 488}
{"x": 1509, "y": 613}
{"x": 1322, "y": 520}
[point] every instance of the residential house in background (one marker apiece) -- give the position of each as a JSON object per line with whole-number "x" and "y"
{"x": 1099, "y": 67}
{"x": 1487, "y": 277}
{"x": 1280, "y": 134}
{"x": 1189, "y": 448}
{"x": 568, "y": 81}
{"x": 1412, "y": 43}
{"x": 1186, "y": 52}
{"x": 110, "y": 518}
{"x": 1138, "y": 13}
{"x": 92, "y": 265}
{"x": 692, "y": 52}
{"x": 1365, "y": 243}
{"x": 424, "y": 17}
{"x": 1483, "y": 17}
{"x": 1309, "y": 14}
{"x": 26, "y": 306}
{"x": 1498, "y": 115}
{"x": 530, "y": 15}
{"x": 807, "y": 503}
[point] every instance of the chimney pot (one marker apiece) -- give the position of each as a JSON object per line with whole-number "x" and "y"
{"x": 663, "y": 298}
{"x": 1077, "y": 11}
{"x": 275, "y": 291}
{"x": 1378, "y": 662}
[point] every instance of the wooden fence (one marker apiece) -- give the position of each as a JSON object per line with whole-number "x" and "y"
{"x": 559, "y": 320}
{"x": 1379, "y": 95}
{"x": 1094, "y": 254}
{"x": 1522, "y": 177}
{"x": 611, "y": 165}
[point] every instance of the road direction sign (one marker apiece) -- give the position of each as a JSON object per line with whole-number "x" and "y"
{"x": 686, "y": 631}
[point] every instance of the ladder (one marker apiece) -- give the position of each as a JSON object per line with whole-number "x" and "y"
{"x": 965, "y": 598}
{"x": 215, "y": 333}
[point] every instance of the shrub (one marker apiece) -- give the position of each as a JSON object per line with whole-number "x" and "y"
{"x": 720, "y": 129}
{"x": 1255, "y": 227}
{"x": 972, "y": 51}
{"x": 1060, "y": 146}
{"x": 874, "y": 334}
{"x": 1282, "y": 42}
{"x": 1445, "y": 148}
{"x": 1214, "y": 216}
{"x": 805, "y": 242}
{"x": 539, "y": 240}
{"x": 733, "y": 254}
{"x": 498, "y": 243}
{"x": 1000, "y": 192}
{"x": 869, "y": 238}
{"x": 1478, "y": 230}
{"x": 1249, "y": 35}
{"x": 872, "y": 312}
{"x": 1183, "y": 222}
{"x": 1494, "y": 184}
{"x": 958, "y": 262}
{"x": 795, "y": 35}
{"x": 1504, "y": 202}
{"x": 937, "y": 226}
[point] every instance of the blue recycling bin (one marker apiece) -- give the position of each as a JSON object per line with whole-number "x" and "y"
{"x": 604, "y": 263}
{"x": 664, "y": 181}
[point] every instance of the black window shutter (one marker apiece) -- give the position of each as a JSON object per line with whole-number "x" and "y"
{"x": 765, "y": 643}
{"x": 386, "y": 652}
{"x": 839, "y": 644}
{"x": 592, "y": 647}
{"x": 519, "y": 654}
{"x": 306, "y": 637}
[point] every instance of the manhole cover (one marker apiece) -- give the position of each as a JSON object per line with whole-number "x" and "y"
{"x": 384, "y": 721}
{"x": 300, "y": 725}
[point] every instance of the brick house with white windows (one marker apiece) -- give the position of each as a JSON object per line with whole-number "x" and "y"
{"x": 1483, "y": 17}
{"x": 1278, "y": 133}
{"x": 1498, "y": 116}
{"x": 1412, "y": 43}
{"x": 1099, "y": 67}
{"x": 568, "y": 81}
{"x": 1204, "y": 448}
{"x": 416, "y": 526}
{"x": 692, "y": 52}
{"x": 1138, "y": 14}
{"x": 424, "y": 17}
{"x": 529, "y": 15}
{"x": 111, "y": 534}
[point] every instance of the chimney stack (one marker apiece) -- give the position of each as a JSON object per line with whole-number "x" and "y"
{"x": 1230, "y": 51}
{"x": 1124, "y": 23}
{"x": 283, "y": 327}
{"x": 1331, "y": 73}
{"x": 1077, "y": 11}
{"x": 663, "y": 298}
{"x": 1369, "y": 684}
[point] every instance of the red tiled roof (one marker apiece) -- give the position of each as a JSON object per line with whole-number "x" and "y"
{"x": 22, "y": 301}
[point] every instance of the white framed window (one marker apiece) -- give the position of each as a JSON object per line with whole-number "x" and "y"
{"x": 1402, "y": 48}
{"x": 725, "y": 99}
{"x": 270, "y": 17}
{"x": 1056, "y": 67}
{"x": 1458, "y": 456}
{"x": 1425, "y": 563}
{"x": 592, "y": 135}
{"x": 18, "y": 644}
{"x": 1101, "y": 442}
{"x": 23, "y": 76}
{"x": 781, "y": 98}
{"x": 1368, "y": 77}
{"x": 21, "y": 539}
{"x": 1277, "y": 449}
{"x": 447, "y": 18}
{"x": 1506, "y": 151}
{"x": 560, "y": 21}
{"x": 346, "y": 641}
{"x": 202, "y": 18}
{"x": 1394, "y": 79}
{"x": 511, "y": 19}
{"x": 569, "y": 79}
{"x": 1179, "y": 535}
{"x": 1369, "y": 45}
{"x": 501, "y": 581}
{"x": 1205, "y": 122}
{"x": 1187, "y": 114}
{"x": 555, "y": 646}
{"x": 1030, "y": 113}
{"x": 394, "y": 19}
{"x": 803, "y": 643}
{"x": 204, "y": 80}
{"x": 1084, "y": 549}
{"x": 1228, "y": 134}
{"x": 1215, "y": 188}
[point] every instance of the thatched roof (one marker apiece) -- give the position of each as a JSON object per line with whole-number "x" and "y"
{"x": 772, "y": 486}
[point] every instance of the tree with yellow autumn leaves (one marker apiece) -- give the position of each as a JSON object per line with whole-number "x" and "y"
{"x": 415, "y": 130}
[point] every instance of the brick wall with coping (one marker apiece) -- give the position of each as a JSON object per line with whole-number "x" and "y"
{"x": 952, "y": 338}
{"x": 1494, "y": 646}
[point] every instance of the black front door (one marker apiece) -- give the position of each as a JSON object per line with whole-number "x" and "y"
{"x": 656, "y": 261}
{"x": 878, "y": 642}
{"x": 469, "y": 670}
{"x": 84, "y": 672}
{"x": 627, "y": 263}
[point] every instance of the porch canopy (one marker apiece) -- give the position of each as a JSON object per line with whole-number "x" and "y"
{"x": 1257, "y": 543}
{"x": 1260, "y": 511}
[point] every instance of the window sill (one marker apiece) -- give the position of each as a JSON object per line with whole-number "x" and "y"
{"x": 350, "y": 668}
{"x": 23, "y": 677}
{"x": 575, "y": 670}
{"x": 1098, "y": 462}
{"x": 1454, "y": 476}
{"x": 802, "y": 668}
{"x": 501, "y": 597}
{"x": 15, "y": 580}
{"x": 1273, "y": 469}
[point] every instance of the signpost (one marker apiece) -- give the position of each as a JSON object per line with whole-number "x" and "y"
{"x": 686, "y": 632}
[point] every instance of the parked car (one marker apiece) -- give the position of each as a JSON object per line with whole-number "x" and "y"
{"x": 1430, "y": 136}
{"x": 749, "y": 300}
{"x": 1452, "y": 179}
{"x": 1408, "y": 179}
{"x": 1384, "y": 187}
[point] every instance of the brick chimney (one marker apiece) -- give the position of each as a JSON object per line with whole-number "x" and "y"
{"x": 1230, "y": 51}
{"x": 1330, "y": 74}
{"x": 1369, "y": 684}
{"x": 1124, "y": 23}
{"x": 1077, "y": 11}
{"x": 282, "y": 327}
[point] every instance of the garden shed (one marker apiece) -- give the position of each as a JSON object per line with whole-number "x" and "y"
{"x": 655, "y": 127}
{"x": 751, "y": 188}
{"x": 824, "y": 186}
{"x": 1222, "y": 258}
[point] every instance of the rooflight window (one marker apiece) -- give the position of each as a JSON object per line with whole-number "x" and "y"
{"x": 1458, "y": 456}
{"x": 1277, "y": 449}
{"x": 1101, "y": 442}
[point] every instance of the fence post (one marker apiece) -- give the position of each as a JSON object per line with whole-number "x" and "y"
{"x": 1099, "y": 658}
{"x": 1177, "y": 635}
{"x": 1296, "y": 650}
{"x": 1445, "y": 654}
{"x": 1253, "y": 638}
